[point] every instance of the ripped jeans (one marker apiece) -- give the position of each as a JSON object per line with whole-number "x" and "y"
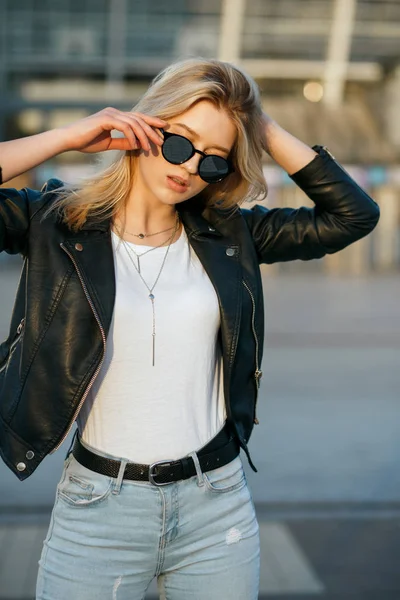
{"x": 109, "y": 537}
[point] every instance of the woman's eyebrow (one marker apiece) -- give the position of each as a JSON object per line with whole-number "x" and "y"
{"x": 196, "y": 136}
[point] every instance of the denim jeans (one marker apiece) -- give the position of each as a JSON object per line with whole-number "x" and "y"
{"x": 109, "y": 537}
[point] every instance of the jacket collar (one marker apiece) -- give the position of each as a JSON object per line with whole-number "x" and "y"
{"x": 198, "y": 219}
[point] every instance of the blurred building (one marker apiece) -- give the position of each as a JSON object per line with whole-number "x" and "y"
{"x": 329, "y": 70}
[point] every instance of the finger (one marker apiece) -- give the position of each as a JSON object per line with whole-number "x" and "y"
{"x": 151, "y": 133}
{"x": 150, "y": 119}
{"x": 136, "y": 129}
{"x": 140, "y": 128}
{"x": 120, "y": 144}
{"x": 150, "y": 125}
{"x": 125, "y": 128}
{"x": 139, "y": 133}
{"x": 147, "y": 122}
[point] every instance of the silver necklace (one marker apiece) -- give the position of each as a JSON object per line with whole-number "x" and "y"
{"x": 151, "y": 295}
{"x": 144, "y": 235}
{"x": 139, "y": 256}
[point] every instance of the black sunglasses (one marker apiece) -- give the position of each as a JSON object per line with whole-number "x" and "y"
{"x": 177, "y": 149}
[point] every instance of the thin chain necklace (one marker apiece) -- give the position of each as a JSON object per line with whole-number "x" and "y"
{"x": 151, "y": 295}
{"x": 139, "y": 256}
{"x": 144, "y": 235}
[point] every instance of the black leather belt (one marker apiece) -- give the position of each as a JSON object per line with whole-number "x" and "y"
{"x": 221, "y": 450}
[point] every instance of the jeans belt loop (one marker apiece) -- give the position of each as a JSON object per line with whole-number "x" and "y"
{"x": 199, "y": 473}
{"x": 121, "y": 472}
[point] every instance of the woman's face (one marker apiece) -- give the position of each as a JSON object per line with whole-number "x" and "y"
{"x": 209, "y": 129}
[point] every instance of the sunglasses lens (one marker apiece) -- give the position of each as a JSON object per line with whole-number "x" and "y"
{"x": 213, "y": 169}
{"x": 177, "y": 150}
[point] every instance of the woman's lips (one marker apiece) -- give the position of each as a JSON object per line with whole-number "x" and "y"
{"x": 177, "y": 187}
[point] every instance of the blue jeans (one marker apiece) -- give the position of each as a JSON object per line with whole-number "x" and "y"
{"x": 109, "y": 537}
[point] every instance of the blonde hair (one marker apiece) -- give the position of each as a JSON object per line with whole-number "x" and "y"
{"x": 172, "y": 92}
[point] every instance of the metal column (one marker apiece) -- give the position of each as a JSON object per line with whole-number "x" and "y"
{"x": 232, "y": 16}
{"x": 338, "y": 52}
{"x": 116, "y": 50}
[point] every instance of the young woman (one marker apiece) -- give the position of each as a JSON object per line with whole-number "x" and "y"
{"x": 140, "y": 314}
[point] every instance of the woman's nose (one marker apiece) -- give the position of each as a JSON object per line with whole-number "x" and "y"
{"x": 192, "y": 164}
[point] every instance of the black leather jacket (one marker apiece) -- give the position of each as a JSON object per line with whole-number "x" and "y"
{"x": 65, "y": 298}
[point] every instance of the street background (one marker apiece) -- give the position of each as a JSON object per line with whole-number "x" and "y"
{"x": 327, "y": 448}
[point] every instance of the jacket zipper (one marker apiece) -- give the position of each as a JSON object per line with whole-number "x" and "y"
{"x": 103, "y": 335}
{"x": 14, "y": 344}
{"x": 329, "y": 152}
{"x": 257, "y": 372}
{"x": 334, "y": 159}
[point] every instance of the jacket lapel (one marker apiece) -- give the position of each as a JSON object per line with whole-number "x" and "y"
{"x": 220, "y": 257}
{"x": 92, "y": 255}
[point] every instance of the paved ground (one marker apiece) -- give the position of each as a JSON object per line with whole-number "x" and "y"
{"x": 327, "y": 447}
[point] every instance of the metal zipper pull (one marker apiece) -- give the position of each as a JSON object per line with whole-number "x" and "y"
{"x": 328, "y": 152}
{"x": 257, "y": 375}
{"x": 21, "y": 326}
{"x": 14, "y": 344}
{"x": 337, "y": 163}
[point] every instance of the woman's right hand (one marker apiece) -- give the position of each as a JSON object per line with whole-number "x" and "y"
{"x": 93, "y": 133}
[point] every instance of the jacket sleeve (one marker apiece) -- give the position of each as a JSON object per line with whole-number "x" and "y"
{"x": 17, "y": 208}
{"x": 343, "y": 214}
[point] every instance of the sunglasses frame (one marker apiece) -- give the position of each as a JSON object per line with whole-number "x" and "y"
{"x": 203, "y": 155}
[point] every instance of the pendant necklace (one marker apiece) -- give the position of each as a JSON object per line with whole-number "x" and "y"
{"x": 139, "y": 256}
{"x": 146, "y": 235}
{"x": 151, "y": 295}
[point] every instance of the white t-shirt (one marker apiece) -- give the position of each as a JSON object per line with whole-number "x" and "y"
{"x": 145, "y": 413}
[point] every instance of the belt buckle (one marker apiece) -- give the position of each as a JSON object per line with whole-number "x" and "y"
{"x": 152, "y": 474}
